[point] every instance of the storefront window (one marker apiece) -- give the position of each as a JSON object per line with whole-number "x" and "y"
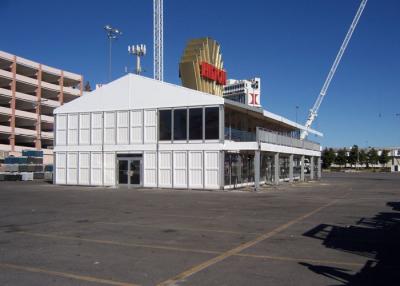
{"x": 239, "y": 169}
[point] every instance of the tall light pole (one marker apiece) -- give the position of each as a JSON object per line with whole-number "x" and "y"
{"x": 112, "y": 34}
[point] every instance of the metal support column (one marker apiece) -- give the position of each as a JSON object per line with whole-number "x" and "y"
{"x": 302, "y": 168}
{"x": 311, "y": 168}
{"x": 319, "y": 168}
{"x": 257, "y": 170}
{"x": 291, "y": 168}
{"x": 276, "y": 168}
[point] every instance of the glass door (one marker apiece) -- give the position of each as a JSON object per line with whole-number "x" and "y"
{"x": 123, "y": 172}
{"x": 135, "y": 172}
{"x": 130, "y": 171}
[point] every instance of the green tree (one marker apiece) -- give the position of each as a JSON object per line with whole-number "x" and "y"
{"x": 352, "y": 159}
{"x": 328, "y": 157}
{"x": 87, "y": 87}
{"x": 372, "y": 157}
{"x": 384, "y": 157}
{"x": 341, "y": 157}
{"x": 362, "y": 157}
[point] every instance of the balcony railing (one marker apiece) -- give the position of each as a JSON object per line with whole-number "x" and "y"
{"x": 271, "y": 137}
{"x": 278, "y": 139}
{"x": 239, "y": 135}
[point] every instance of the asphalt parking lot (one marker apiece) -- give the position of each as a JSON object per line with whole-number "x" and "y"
{"x": 342, "y": 230}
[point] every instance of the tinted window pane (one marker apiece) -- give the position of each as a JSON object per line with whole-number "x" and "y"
{"x": 165, "y": 124}
{"x": 180, "y": 119}
{"x": 212, "y": 123}
{"x": 196, "y": 124}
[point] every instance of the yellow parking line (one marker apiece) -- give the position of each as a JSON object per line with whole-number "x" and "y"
{"x": 65, "y": 275}
{"x": 190, "y": 250}
{"x": 199, "y": 267}
{"x": 118, "y": 243}
{"x": 329, "y": 262}
{"x": 179, "y": 228}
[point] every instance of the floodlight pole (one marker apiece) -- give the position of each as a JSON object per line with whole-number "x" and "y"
{"x": 112, "y": 34}
{"x": 109, "y": 59}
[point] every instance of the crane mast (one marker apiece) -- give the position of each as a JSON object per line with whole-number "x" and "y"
{"x": 158, "y": 47}
{"x": 314, "y": 110}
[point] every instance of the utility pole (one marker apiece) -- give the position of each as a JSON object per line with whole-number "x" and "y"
{"x": 112, "y": 34}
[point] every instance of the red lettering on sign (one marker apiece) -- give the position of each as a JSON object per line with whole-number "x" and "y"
{"x": 253, "y": 98}
{"x": 209, "y": 71}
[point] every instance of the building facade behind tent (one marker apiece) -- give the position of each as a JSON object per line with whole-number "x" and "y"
{"x": 140, "y": 132}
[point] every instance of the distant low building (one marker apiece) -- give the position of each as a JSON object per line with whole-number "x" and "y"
{"x": 393, "y": 153}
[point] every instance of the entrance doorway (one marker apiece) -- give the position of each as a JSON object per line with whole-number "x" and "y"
{"x": 130, "y": 171}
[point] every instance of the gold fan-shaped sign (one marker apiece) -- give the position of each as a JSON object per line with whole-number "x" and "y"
{"x": 201, "y": 66}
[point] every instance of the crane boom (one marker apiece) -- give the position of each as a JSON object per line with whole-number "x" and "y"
{"x": 314, "y": 110}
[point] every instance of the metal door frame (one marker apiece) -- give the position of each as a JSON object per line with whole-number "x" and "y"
{"x": 130, "y": 159}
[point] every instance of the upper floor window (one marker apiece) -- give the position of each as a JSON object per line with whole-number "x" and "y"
{"x": 212, "y": 123}
{"x": 196, "y": 124}
{"x": 180, "y": 124}
{"x": 165, "y": 121}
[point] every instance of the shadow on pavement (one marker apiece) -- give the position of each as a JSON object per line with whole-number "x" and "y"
{"x": 376, "y": 238}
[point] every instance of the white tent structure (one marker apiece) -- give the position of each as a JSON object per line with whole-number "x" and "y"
{"x": 137, "y": 131}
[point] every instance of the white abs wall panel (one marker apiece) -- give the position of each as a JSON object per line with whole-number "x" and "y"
{"x": 72, "y": 124}
{"x": 109, "y": 169}
{"x": 211, "y": 170}
{"x": 84, "y": 168}
{"x": 123, "y": 127}
{"x": 72, "y": 168}
{"x": 150, "y": 169}
{"x": 84, "y": 128}
{"x": 61, "y": 168}
{"x": 165, "y": 169}
{"x": 109, "y": 128}
{"x": 136, "y": 126}
{"x": 195, "y": 169}
{"x": 150, "y": 126}
{"x": 96, "y": 168}
{"x": 61, "y": 129}
{"x": 180, "y": 169}
{"x": 97, "y": 128}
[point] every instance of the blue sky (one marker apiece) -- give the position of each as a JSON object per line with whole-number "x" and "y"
{"x": 290, "y": 44}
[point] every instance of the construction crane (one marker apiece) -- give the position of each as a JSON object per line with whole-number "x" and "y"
{"x": 158, "y": 40}
{"x": 314, "y": 110}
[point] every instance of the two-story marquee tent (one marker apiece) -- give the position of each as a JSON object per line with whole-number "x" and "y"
{"x": 136, "y": 131}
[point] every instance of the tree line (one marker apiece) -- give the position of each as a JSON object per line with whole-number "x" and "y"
{"x": 354, "y": 157}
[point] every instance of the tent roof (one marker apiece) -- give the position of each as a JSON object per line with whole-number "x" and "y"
{"x": 137, "y": 92}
